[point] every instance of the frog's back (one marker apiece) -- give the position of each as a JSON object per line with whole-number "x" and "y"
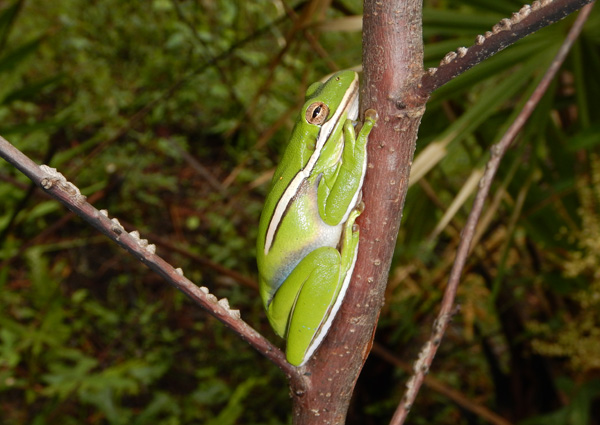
{"x": 300, "y": 231}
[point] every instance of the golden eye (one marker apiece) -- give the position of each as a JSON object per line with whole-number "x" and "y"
{"x": 317, "y": 113}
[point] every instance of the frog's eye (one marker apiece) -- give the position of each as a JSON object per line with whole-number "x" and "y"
{"x": 317, "y": 113}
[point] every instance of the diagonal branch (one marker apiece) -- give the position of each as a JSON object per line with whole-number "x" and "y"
{"x": 57, "y": 186}
{"x": 422, "y": 365}
{"x": 508, "y": 31}
{"x": 445, "y": 390}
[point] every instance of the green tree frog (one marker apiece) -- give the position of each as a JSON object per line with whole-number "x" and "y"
{"x": 307, "y": 237}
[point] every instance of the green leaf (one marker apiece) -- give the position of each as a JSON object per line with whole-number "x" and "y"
{"x": 7, "y": 19}
{"x": 10, "y": 60}
{"x": 31, "y": 91}
{"x": 585, "y": 139}
{"x": 9, "y": 353}
{"x": 161, "y": 404}
{"x": 234, "y": 409}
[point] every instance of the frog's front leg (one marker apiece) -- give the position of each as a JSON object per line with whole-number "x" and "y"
{"x": 338, "y": 193}
{"x": 305, "y": 305}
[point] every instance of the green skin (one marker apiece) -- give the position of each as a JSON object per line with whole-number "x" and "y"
{"x": 308, "y": 238}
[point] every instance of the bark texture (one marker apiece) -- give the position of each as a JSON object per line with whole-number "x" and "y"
{"x": 390, "y": 86}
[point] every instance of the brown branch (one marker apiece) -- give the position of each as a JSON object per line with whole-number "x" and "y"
{"x": 422, "y": 365}
{"x": 522, "y": 23}
{"x": 203, "y": 261}
{"x": 55, "y": 185}
{"x": 389, "y": 86}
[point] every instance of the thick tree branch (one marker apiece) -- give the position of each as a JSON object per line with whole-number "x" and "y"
{"x": 392, "y": 57}
{"x": 422, "y": 365}
{"x": 522, "y": 23}
{"x": 55, "y": 185}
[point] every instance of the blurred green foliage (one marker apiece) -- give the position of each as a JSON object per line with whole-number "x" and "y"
{"x": 171, "y": 114}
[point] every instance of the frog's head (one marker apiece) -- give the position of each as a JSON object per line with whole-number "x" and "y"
{"x": 328, "y": 105}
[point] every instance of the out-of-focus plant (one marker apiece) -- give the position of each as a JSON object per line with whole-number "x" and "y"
{"x": 574, "y": 333}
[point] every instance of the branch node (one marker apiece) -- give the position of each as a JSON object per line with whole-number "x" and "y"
{"x": 57, "y": 178}
{"x": 400, "y": 104}
{"x": 496, "y": 150}
{"x": 116, "y": 227}
{"x": 422, "y": 361}
{"x": 448, "y": 58}
{"x": 521, "y": 14}
{"x": 503, "y": 25}
{"x": 224, "y": 302}
{"x": 46, "y": 183}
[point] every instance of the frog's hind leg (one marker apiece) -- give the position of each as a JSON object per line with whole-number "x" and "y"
{"x": 304, "y": 306}
{"x": 305, "y": 300}
{"x": 316, "y": 305}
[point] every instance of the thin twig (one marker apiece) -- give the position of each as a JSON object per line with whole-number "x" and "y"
{"x": 55, "y": 185}
{"x": 422, "y": 365}
{"x": 435, "y": 384}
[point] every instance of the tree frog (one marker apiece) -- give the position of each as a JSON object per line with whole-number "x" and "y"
{"x": 307, "y": 237}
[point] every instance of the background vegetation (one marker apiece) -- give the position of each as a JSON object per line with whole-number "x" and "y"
{"x": 172, "y": 115}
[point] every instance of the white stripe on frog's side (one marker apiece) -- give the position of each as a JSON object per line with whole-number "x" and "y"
{"x": 349, "y": 103}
